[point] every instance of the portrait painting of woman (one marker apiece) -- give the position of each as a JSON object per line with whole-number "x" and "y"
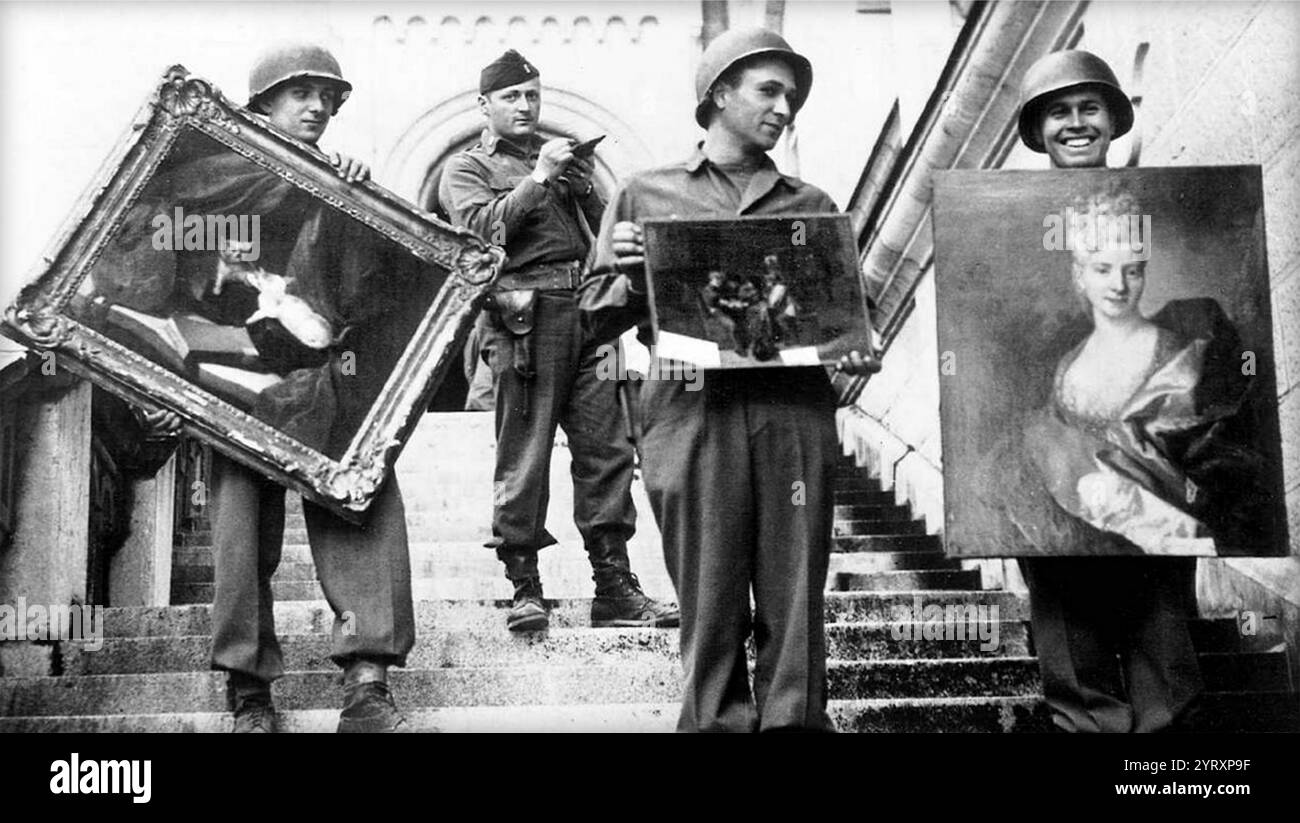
{"x": 1112, "y": 394}
{"x": 1141, "y": 438}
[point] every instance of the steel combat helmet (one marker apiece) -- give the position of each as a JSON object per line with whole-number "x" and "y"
{"x": 1063, "y": 70}
{"x": 289, "y": 61}
{"x": 735, "y": 45}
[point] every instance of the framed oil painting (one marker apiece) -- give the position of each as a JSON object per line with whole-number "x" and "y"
{"x": 756, "y": 292}
{"x": 221, "y": 269}
{"x": 1106, "y": 373}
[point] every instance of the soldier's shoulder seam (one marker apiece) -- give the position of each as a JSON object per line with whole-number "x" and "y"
{"x": 660, "y": 172}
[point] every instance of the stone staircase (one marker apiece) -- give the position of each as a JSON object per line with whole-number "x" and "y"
{"x": 467, "y": 673}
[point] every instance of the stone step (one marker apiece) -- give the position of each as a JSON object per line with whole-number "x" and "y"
{"x": 300, "y": 552}
{"x": 308, "y": 617}
{"x": 192, "y": 539}
{"x": 548, "y": 684}
{"x": 909, "y": 580}
{"x": 880, "y": 510}
{"x": 864, "y": 574}
{"x": 862, "y": 497}
{"x": 438, "y": 649}
{"x": 472, "y": 521}
{"x": 571, "y": 641}
{"x": 493, "y": 646}
{"x": 479, "y": 563}
{"x": 1025, "y": 713}
{"x": 1221, "y": 712}
{"x": 565, "y": 571}
{"x": 869, "y": 562}
{"x": 851, "y": 528}
{"x": 849, "y": 469}
{"x": 869, "y": 606}
{"x": 448, "y": 588}
{"x": 445, "y": 627}
{"x": 908, "y": 639}
{"x": 205, "y": 691}
{"x": 616, "y": 717}
{"x": 856, "y": 483}
{"x": 889, "y": 543}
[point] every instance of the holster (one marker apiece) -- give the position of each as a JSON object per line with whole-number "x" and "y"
{"x": 629, "y": 395}
{"x": 515, "y": 309}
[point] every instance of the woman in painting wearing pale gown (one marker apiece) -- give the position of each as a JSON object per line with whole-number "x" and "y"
{"x": 1144, "y": 438}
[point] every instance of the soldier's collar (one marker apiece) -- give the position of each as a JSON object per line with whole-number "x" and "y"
{"x": 699, "y": 158}
{"x": 491, "y": 142}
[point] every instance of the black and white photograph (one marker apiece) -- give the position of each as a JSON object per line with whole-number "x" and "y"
{"x": 898, "y": 367}
{"x": 756, "y": 292}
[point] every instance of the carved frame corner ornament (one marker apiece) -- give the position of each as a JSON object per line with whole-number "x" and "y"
{"x": 182, "y": 103}
{"x": 183, "y": 95}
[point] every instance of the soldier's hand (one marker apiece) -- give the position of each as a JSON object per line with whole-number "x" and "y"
{"x": 854, "y": 363}
{"x": 578, "y": 174}
{"x": 158, "y": 423}
{"x": 349, "y": 168}
{"x": 629, "y": 252}
{"x": 553, "y": 159}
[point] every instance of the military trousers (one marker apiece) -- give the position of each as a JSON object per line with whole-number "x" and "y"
{"x": 364, "y": 570}
{"x": 573, "y": 387}
{"x": 739, "y": 474}
{"x": 1086, "y": 612}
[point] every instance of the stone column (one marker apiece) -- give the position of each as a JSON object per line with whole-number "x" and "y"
{"x": 45, "y": 562}
{"x": 140, "y": 571}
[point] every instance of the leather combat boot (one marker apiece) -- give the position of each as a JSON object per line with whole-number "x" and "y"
{"x": 619, "y": 600}
{"x": 528, "y": 612}
{"x": 367, "y": 702}
{"x": 250, "y": 700}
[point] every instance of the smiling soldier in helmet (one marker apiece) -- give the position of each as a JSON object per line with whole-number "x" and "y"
{"x": 720, "y": 463}
{"x": 1087, "y": 610}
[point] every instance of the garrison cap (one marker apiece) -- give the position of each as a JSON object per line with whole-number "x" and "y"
{"x": 507, "y": 70}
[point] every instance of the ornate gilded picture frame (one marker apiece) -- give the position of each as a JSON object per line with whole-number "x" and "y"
{"x": 220, "y": 269}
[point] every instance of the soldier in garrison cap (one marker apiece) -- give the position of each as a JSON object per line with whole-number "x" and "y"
{"x": 720, "y": 462}
{"x": 1086, "y": 610}
{"x": 535, "y": 198}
